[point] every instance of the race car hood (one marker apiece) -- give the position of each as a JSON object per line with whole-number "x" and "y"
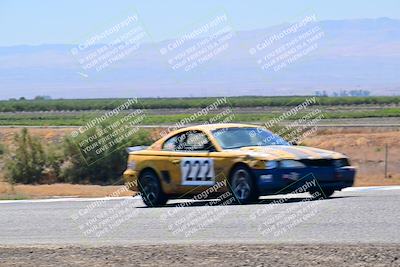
{"x": 277, "y": 152}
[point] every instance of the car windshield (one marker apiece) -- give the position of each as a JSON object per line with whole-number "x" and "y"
{"x": 230, "y": 138}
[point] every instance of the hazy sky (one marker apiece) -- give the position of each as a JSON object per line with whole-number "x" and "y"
{"x": 70, "y": 21}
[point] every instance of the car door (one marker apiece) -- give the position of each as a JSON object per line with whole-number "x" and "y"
{"x": 190, "y": 166}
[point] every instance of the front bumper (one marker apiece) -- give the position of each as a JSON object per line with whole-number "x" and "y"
{"x": 276, "y": 181}
{"x": 130, "y": 179}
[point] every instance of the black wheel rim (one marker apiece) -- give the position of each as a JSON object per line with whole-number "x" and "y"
{"x": 241, "y": 185}
{"x": 150, "y": 188}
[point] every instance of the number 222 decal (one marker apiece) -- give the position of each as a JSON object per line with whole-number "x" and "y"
{"x": 197, "y": 171}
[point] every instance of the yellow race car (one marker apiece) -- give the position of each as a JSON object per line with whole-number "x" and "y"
{"x": 246, "y": 160}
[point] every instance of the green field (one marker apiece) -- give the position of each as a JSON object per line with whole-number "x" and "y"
{"x": 155, "y": 103}
{"x": 74, "y": 112}
{"x": 66, "y": 119}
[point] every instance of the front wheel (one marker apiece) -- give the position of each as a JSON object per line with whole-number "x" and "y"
{"x": 242, "y": 185}
{"x": 150, "y": 189}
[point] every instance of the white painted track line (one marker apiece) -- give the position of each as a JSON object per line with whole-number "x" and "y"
{"x": 77, "y": 199}
{"x": 370, "y": 188}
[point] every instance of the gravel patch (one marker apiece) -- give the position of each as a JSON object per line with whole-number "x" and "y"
{"x": 203, "y": 255}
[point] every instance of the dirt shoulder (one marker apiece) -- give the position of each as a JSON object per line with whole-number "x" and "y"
{"x": 204, "y": 255}
{"x": 8, "y": 191}
{"x": 370, "y": 150}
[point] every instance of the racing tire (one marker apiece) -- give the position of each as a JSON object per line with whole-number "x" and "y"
{"x": 150, "y": 189}
{"x": 242, "y": 185}
{"x": 323, "y": 192}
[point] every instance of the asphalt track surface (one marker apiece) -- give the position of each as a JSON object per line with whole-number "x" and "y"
{"x": 365, "y": 215}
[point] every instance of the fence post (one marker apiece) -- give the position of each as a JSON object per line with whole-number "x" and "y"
{"x": 386, "y": 159}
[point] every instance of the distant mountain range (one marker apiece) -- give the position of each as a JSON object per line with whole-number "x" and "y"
{"x": 351, "y": 54}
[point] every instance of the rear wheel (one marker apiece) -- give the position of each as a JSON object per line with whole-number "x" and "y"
{"x": 150, "y": 189}
{"x": 322, "y": 192}
{"x": 242, "y": 185}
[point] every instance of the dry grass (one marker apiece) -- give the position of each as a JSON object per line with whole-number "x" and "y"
{"x": 48, "y": 134}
